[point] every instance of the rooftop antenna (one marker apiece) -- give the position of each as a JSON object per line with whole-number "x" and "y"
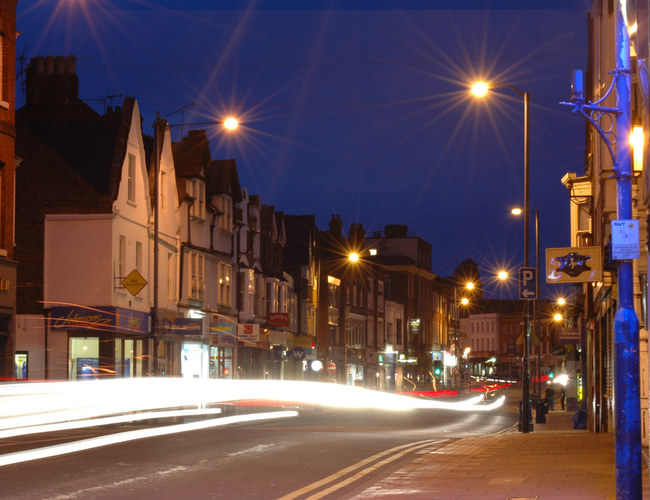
{"x": 182, "y": 112}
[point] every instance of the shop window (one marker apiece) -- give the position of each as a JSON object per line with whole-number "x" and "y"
{"x": 84, "y": 358}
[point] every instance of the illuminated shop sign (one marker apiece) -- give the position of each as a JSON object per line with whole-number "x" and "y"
{"x": 108, "y": 319}
{"x": 183, "y": 326}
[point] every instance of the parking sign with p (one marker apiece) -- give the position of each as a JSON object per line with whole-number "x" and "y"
{"x": 527, "y": 283}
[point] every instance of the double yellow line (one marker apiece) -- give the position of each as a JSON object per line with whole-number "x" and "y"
{"x": 359, "y": 470}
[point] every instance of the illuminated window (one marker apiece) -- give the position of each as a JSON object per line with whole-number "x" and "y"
{"x": 224, "y": 283}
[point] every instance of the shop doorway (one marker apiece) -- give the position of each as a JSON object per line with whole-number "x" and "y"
{"x": 194, "y": 360}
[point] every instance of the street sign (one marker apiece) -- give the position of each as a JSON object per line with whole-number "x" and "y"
{"x": 527, "y": 283}
{"x": 134, "y": 282}
{"x": 331, "y": 368}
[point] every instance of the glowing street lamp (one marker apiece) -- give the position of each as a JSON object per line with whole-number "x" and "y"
{"x": 481, "y": 89}
{"x": 160, "y": 126}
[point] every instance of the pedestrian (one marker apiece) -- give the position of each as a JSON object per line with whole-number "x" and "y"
{"x": 550, "y": 398}
{"x": 563, "y": 397}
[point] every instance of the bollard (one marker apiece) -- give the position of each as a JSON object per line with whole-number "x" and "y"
{"x": 540, "y": 412}
{"x": 530, "y": 417}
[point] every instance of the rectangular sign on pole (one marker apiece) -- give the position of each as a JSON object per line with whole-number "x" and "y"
{"x": 527, "y": 283}
{"x": 574, "y": 265}
{"x": 625, "y": 240}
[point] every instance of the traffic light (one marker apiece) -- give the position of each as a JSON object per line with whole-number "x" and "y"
{"x": 437, "y": 367}
{"x": 551, "y": 375}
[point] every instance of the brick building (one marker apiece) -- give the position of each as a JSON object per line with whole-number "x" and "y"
{"x": 8, "y": 162}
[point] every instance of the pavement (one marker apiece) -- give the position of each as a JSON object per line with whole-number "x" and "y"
{"x": 552, "y": 462}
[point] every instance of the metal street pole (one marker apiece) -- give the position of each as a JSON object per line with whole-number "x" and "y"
{"x": 538, "y": 310}
{"x": 525, "y": 427}
{"x": 626, "y": 322}
{"x": 480, "y": 89}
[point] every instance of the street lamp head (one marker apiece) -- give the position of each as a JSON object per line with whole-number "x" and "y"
{"x": 464, "y": 301}
{"x": 557, "y": 317}
{"x": 230, "y": 123}
{"x": 503, "y": 275}
{"x": 353, "y": 257}
{"x": 480, "y": 89}
{"x": 469, "y": 285}
{"x": 561, "y": 301}
{"x": 516, "y": 211}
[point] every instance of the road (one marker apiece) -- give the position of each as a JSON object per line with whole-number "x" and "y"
{"x": 271, "y": 459}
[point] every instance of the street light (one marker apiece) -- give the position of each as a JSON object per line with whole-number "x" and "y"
{"x": 538, "y": 311}
{"x": 160, "y": 126}
{"x": 480, "y": 89}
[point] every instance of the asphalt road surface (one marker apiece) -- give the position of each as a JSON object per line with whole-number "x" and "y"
{"x": 320, "y": 453}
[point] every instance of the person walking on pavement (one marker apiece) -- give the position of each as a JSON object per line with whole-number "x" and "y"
{"x": 563, "y": 397}
{"x": 550, "y": 398}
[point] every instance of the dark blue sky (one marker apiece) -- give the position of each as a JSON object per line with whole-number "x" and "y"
{"x": 355, "y": 108}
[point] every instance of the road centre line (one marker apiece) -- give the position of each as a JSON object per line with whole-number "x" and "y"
{"x": 402, "y": 449}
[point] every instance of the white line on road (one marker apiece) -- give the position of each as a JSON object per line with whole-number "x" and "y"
{"x": 395, "y": 453}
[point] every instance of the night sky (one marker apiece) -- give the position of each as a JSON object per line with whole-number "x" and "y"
{"x": 357, "y": 108}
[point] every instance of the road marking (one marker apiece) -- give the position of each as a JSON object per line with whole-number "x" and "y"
{"x": 400, "y": 450}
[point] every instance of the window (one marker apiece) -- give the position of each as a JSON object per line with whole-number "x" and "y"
{"x": 196, "y": 191}
{"x": 3, "y": 97}
{"x": 121, "y": 258}
{"x": 171, "y": 277}
{"x": 225, "y": 207}
{"x": 162, "y": 191}
{"x": 196, "y": 285}
{"x": 138, "y": 256}
{"x": 224, "y": 280}
{"x": 131, "y": 179}
{"x": 380, "y": 296}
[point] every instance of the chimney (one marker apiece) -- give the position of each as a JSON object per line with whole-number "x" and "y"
{"x": 336, "y": 226}
{"x": 51, "y": 81}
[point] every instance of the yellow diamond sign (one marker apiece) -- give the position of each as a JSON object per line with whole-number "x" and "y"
{"x": 134, "y": 282}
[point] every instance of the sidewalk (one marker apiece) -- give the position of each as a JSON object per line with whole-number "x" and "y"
{"x": 552, "y": 462}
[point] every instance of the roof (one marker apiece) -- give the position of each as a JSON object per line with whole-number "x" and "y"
{"x": 221, "y": 177}
{"x": 94, "y": 146}
{"x": 192, "y": 154}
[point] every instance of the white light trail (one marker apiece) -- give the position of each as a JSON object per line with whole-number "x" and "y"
{"x": 87, "y": 444}
{"x": 23, "y": 406}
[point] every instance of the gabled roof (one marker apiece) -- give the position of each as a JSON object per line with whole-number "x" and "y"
{"x": 93, "y": 145}
{"x": 221, "y": 177}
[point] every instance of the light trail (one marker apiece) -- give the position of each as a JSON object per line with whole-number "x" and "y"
{"x": 122, "y": 437}
{"x": 24, "y": 406}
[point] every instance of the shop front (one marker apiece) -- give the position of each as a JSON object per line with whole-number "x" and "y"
{"x": 223, "y": 347}
{"x": 102, "y": 341}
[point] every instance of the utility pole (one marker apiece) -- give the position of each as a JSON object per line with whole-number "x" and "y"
{"x": 626, "y": 323}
